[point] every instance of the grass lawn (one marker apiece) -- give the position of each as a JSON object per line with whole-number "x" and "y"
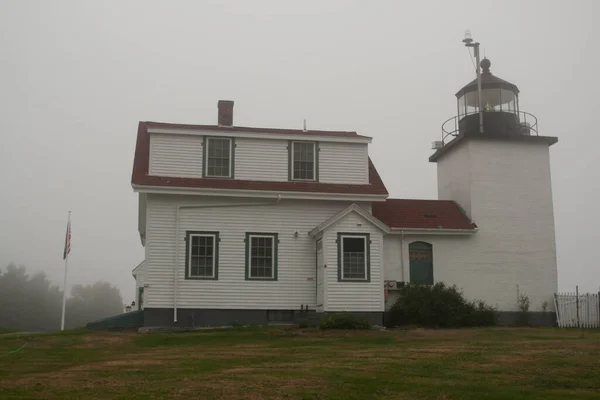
{"x": 278, "y": 363}
{"x": 7, "y": 330}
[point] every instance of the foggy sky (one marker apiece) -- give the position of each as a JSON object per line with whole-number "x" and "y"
{"x": 77, "y": 76}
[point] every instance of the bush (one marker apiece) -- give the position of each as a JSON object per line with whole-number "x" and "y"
{"x": 344, "y": 321}
{"x": 438, "y": 306}
{"x": 523, "y": 304}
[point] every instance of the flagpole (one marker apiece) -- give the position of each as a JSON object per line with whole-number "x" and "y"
{"x": 64, "y": 301}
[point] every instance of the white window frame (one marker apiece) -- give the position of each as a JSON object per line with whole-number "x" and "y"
{"x": 314, "y": 177}
{"x": 249, "y": 255}
{"x": 365, "y": 240}
{"x": 214, "y": 255}
{"x": 207, "y": 155}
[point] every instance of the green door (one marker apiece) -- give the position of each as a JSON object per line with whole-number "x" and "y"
{"x": 140, "y": 298}
{"x": 421, "y": 263}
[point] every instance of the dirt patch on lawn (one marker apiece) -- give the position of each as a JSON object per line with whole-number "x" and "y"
{"x": 115, "y": 364}
{"x": 40, "y": 383}
{"x": 100, "y": 341}
{"x": 225, "y": 353}
{"x": 258, "y": 386}
{"x": 82, "y": 374}
{"x": 427, "y": 352}
{"x": 404, "y": 353}
{"x": 80, "y": 342}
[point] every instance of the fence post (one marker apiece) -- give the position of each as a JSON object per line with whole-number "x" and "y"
{"x": 556, "y": 310}
{"x": 586, "y": 316}
{"x": 577, "y": 303}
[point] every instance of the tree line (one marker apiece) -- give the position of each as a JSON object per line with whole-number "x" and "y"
{"x": 33, "y": 303}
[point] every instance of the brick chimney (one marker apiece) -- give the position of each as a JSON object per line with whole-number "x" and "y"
{"x": 225, "y": 112}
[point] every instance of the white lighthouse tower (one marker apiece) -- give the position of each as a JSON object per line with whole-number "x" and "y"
{"x": 495, "y": 164}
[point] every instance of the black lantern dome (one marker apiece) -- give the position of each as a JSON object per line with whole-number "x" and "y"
{"x": 500, "y": 109}
{"x": 497, "y": 94}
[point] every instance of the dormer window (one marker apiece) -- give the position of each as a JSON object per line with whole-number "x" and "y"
{"x": 303, "y": 161}
{"x": 218, "y": 157}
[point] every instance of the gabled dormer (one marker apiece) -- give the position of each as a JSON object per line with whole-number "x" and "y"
{"x": 228, "y": 157}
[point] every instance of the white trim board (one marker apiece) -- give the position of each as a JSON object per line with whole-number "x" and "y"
{"x": 352, "y": 208}
{"x": 133, "y": 271}
{"x": 432, "y": 231}
{"x": 258, "y": 193}
{"x": 265, "y": 135}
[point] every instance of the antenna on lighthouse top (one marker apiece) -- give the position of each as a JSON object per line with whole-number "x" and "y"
{"x": 468, "y": 41}
{"x": 304, "y": 128}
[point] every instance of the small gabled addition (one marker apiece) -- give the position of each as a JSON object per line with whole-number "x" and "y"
{"x": 261, "y": 256}
{"x": 303, "y": 161}
{"x": 354, "y": 257}
{"x": 201, "y": 255}
{"x": 218, "y": 157}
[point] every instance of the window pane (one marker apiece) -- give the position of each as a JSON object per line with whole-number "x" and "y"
{"x": 461, "y": 106}
{"x": 218, "y": 157}
{"x": 304, "y": 161}
{"x": 202, "y": 256}
{"x": 261, "y": 257}
{"x": 508, "y": 100}
{"x": 491, "y": 99}
{"x": 471, "y": 102}
{"x": 354, "y": 258}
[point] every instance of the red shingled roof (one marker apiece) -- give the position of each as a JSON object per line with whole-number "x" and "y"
{"x": 142, "y": 154}
{"x": 421, "y": 214}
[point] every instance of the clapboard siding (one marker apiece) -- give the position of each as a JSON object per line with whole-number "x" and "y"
{"x": 296, "y": 284}
{"x": 176, "y": 155}
{"x": 140, "y": 276}
{"x": 261, "y": 159}
{"x": 343, "y": 163}
{"x": 257, "y": 159}
{"x": 353, "y": 296}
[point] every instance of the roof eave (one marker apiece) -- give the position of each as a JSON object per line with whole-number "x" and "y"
{"x": 281, "y": 194}
{"x": 133, "y": 271}
{"x": 261, "y": 135}
{"x": 342, "y": 214}
{"x": 470, "y": 88}
{"x": 550, "y": 140}
{"x": 434, "y": 231}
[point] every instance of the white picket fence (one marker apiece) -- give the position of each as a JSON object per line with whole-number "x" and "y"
{"x": 577, "y": 310}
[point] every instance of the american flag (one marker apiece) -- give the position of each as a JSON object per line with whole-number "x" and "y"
{"x": 67, "y": 240}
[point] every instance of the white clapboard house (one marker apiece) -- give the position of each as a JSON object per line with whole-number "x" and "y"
{"x": 257, "y": 225}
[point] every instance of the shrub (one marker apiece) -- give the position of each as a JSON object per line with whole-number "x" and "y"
{"x": 523, "y": 303}
{"x": 482, "y": 314}
{"x": 344, "y": 321}
{"x": 438, "y": 306}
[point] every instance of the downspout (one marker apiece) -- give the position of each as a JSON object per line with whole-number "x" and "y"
{"x": 402, "y": 255}
{"x": 176, "y": 265}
